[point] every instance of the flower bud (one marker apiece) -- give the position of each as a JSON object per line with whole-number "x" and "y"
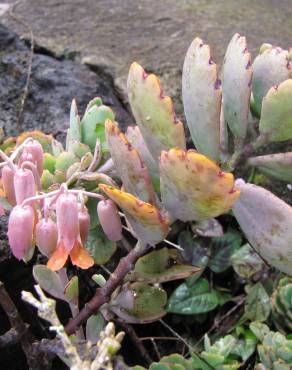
{"x": 67, "y": 220}
{"x": 24, "y": 185}
{"x": 46, "y": 236}
{"x": 35, "y": 149}
{"x": 84, "y": 223}
{"x": 8, "y": 184}
{"x": 20, "y": 230}
{"x": 109, "y": 219}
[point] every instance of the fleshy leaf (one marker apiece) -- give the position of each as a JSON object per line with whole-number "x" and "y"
{"x": 193, "y": 187}
{"x": 236, "y": 86}
{"x": 43, "y": 139}
{"x": 74, "y": 131}
{"x": 71, "y": 290}
{"x": 146, "y": 220}
{"x": 136, "y": 139}
{"x": 201, "y": 92}
{"x": 278, "y": 165}
{"x": 139, "y": 303}
{"x": 94, "y": 326}
{"x": 49, "y": 281}
{"x": 128, "y": 164}
{"x": 92, "y": 125}
{"x": 276, "y": 116}
{"x": 270, "y": 68}
{"x": 266, "y": 222}
{"x": 153, "y": 112}
{"x": 161, "y": 266}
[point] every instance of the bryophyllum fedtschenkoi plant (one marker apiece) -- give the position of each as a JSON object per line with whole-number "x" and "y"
{"x": 70, "y": 201}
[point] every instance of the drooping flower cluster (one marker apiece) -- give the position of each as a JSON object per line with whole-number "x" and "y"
{"x": 57, "y": 222}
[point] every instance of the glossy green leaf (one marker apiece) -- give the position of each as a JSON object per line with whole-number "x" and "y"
{"x": 276, "y": 117}
{"x": 195, "y": 251}
{"x": 222, "y": 248}
{"x": 277, "y": 165}
{"x": 153, "y": 112}
{"x": 190, "y": 299}
{"x": 257, "y": 304}
{"x": 236, "y": 86}
{"x": 162, "y": 265}
{"x": 201, "y": 93}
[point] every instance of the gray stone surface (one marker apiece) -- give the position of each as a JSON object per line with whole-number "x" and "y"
{"x": 110, "y": 34}
{"x": 54, "y": 83}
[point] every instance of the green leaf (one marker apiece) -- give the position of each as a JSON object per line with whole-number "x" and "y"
{"x": 99, "y": 246}
{"x": 201, "y": 92}
{"x": 72, "y": 290}
{"x": 139, "y": 303}
{"x": 236, "y": 86}
{"x": 74, "y": 132}
{"x": 246, "y": 262}
{"x": 222, "y": 248}
{"x": 257, "y": 304}
{"x": 277, "y": 165}
{"x": 193, "y": 249}
{"x": 49, "y": 281}
{"x": 92, "y": 125}
{"x": 153, "y": 112}
{"x": 161, "y": 266}
{"x": 94, "y": 326}
{"x": 276, "y": 116}
{"x": 190, "y": 299}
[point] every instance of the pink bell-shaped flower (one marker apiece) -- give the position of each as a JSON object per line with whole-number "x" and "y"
{"x": 35, "y": 149}
{"x": 84, "y": 223}
{"x": 109, "y": 219}
{"x": 46, "y": 234}
{"x": 67, "y": 220}
{"x": 20, "y": 230}
{"x": 24, "y": 185}
{"x": 69, "y": 241}
{"x": 8, "y": 184}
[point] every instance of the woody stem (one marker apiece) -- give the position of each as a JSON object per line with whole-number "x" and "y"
{"x": 102, "y": 295}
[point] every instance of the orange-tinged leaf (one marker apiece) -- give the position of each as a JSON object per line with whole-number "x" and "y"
{"x": 153, "y": 112}
{"x": 145, "y": 219}
{"x": 193, "y": 187}
{"x": 80, "y": 257}
{"x": 58, "y": 258}
{"x": 130, "y": 167}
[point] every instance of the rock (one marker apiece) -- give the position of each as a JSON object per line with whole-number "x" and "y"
{"x": 53, "y": 85}
{"x": 111, "y": 34}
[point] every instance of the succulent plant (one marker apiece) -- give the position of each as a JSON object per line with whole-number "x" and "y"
{"x": 172, "y": 362}
{"x": 274, "y": 349}
{"x": 281, "y": 303}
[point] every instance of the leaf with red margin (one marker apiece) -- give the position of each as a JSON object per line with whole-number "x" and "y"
{"x": 153, "y": 112}
{"x": 148, "y": 224}
{"x": 193, "y": 187}
{"x": 129, "y": 166}
{"x": 236, "y": 86}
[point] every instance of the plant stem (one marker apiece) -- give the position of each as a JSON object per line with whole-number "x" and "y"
{"x": 102, "y": 295}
